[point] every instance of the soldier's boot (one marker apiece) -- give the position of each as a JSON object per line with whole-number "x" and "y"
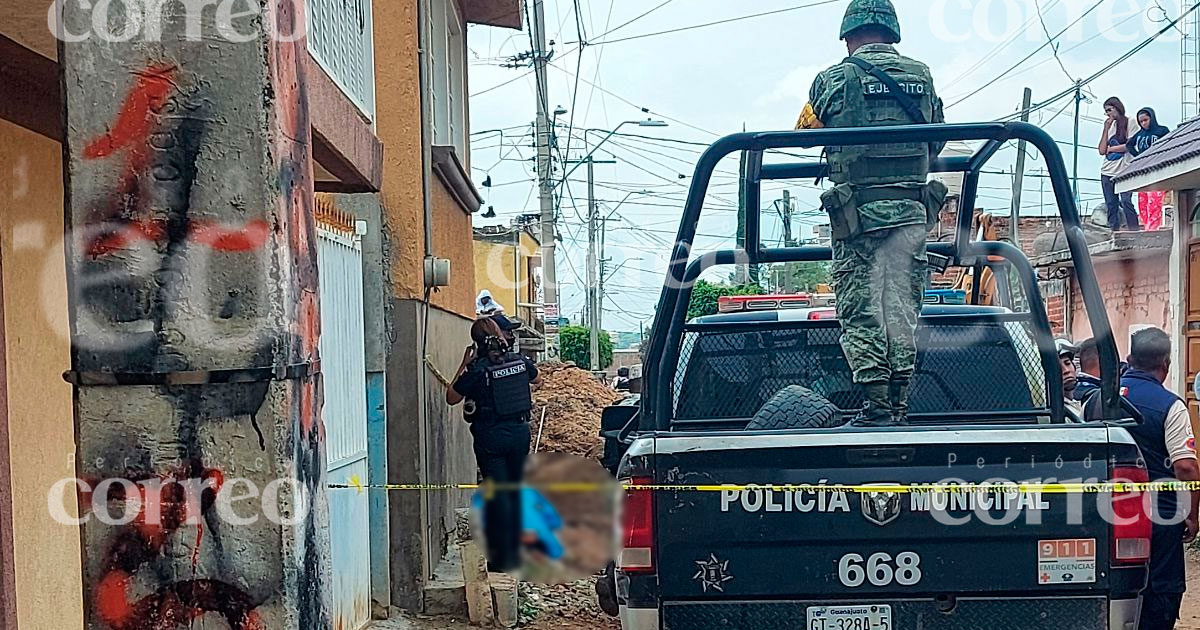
{"x": 898, "y": 396}
{"x": 877, "y": 412}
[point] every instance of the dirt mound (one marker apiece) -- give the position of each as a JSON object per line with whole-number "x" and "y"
{"x": 573, "y": 400}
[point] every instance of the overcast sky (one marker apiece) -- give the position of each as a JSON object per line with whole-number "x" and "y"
{"x": 756, "y": 73}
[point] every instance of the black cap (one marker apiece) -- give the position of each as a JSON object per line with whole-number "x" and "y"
{"x": 505, "y": 323}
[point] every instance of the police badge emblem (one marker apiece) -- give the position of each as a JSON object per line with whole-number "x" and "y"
{"x": 712, "y": 573}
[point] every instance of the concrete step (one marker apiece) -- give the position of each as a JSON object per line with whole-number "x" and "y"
{"x": 479, "y": 592}
{"x": 463, "y": 527}
{"x": 504, "y": 599}
{"x": 446, "y": 593}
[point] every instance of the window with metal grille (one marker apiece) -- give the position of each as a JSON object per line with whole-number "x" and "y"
{"x": 964, "y": 364}
{"x": 447, "y": 74}
{"x": 340, "y": 39}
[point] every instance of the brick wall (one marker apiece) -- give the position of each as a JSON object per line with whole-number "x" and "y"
{"x": 1056, "y": 310}
{"x": 1030, "y": 227}
{"x": 1135, "y": 293}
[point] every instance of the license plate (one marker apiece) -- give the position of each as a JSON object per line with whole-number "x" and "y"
{"x": 864, "y": 617}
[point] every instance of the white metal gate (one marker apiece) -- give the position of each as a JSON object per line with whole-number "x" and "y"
{"x": 343, "y": 366}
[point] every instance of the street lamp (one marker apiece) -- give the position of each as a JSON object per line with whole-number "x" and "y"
{"x": 588, "y": 156}
{"x": 596, "y": 272}
{"x": 622, "y": 265}
{"x": 594, "y": 295}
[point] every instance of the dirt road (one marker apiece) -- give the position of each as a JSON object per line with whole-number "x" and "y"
{"x": 1189, "y": 613}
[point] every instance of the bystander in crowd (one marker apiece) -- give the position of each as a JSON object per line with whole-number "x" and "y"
{"x": 1150, "y": 203}
{"x": 1114, "y": 142}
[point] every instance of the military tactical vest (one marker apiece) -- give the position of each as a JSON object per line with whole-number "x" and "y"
{"x": 869, "y": 103}
{"x": 508, "y": 383}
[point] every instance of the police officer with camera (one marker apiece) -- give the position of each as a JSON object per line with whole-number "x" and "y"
{"x": 497, "y": 381}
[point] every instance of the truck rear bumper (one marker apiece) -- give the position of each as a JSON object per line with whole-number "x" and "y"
{"x": 1060, "y": 613}
{"x": 639, "y": 618}
{"x": 1123, "y": 614}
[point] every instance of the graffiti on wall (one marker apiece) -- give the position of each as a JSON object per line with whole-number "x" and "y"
{"x": 178, "y": 500}
{"x": 148, "y": 204}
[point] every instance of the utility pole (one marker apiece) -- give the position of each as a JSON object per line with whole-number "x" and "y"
{"x": 545, "y": 182}
{"x": 517, "y": 227}
{"x": 592, "y": 301}
{"x": 1075, "y": 174}
{"x": 1041, "y": 188}
{"x": 1019, "y": 175}
{"x": 788, "y": 284}
{"x": 741, "y": 272}
{"x": 593, "y": 280}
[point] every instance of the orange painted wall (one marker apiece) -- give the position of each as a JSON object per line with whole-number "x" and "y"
{"x": 398, "y": 125}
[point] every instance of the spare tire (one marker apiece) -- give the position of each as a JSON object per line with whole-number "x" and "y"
{"x": 796, "y": 407}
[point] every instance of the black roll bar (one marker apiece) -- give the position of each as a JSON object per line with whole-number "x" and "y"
{"x": 669, "y": 318}
{"x": 667, "y": 370}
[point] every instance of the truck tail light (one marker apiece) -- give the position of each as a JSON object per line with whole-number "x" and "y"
{"x": 637, "y": 527}
{"x": 727, "y": 304}
{"x": 1131, "y": 518}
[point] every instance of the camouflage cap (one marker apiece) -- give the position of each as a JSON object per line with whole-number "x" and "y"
{"x": 879, "y": 13}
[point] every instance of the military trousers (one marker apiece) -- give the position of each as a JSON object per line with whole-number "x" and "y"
{"x": 879, "y": 278}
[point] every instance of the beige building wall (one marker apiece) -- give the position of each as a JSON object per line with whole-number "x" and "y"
{"x": 41, "y": 425}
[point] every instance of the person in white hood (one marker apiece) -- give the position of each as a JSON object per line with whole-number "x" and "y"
{"x": 485, "y": 304}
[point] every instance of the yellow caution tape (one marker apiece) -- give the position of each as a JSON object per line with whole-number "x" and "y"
{"x": 1045, "y": 488}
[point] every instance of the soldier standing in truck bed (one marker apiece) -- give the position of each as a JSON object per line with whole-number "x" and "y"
{"x": 881, "y": 206}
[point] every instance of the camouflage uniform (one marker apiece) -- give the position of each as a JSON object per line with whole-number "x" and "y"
{"x": 880, "y": 210}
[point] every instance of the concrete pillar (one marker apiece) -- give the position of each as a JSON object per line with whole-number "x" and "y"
{"x": 191, "y": 256}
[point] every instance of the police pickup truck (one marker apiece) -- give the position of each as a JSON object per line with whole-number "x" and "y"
{"x": 740, "y": 404}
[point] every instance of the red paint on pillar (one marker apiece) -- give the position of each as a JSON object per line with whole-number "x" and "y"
{"x": 112, "y": 598}
{"x": 252, "y": 621}
{"x": 136, "y": 117}
{"x": 249, "y": 237}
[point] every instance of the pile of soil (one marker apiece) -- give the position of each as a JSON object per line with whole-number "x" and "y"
{"x": 572, "y": 400}
{"x": 563, "y": 607}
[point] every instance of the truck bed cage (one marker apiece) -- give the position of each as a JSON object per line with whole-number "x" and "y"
{"x": 683, "y": 271}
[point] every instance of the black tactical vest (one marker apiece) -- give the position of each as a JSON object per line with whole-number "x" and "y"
{"x": 508, "y": 383}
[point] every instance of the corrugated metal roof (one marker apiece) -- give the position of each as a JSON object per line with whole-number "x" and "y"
{"x": 1180, "y": 145}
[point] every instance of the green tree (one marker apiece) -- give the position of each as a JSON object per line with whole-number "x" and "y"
{"x": 575, "y": 345}
{"x": 807, "y": 275}
{"x": 705, "y": 295}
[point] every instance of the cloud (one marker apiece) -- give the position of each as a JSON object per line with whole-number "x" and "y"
{"x": 792, "y": 89}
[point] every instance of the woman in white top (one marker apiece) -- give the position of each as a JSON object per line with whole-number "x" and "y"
{"x": 1118, "y": 128}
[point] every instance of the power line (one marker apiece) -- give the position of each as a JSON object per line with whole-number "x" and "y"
{"x": 991, "y": 54}
{"x": 1016, "y": 65}
{"x": 1053, "y": 46}
{"x": 1081, "y": 44}
{"x": 621, "y": 26}
{"x": 644, "y": 110}
{"x": 599, "y": 61}
{"x": 716, "y": 23}
{"x": 578, "y": 69}
{"x": 1118, "y": 61}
